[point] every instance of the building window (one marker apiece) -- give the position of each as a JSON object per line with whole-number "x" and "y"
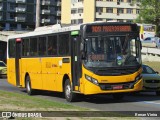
{"x": 13, "y": 26}
{"x": 99, "y": 19}
{"x": 137, "y": 11}
{"x": 120, "y": 20}
{"x": 99, "y": 9}
{"x": 110, "y": 0}
{"x": 129, "y": 21}
{"x": 120, "y": 0}
{"x": 109, "y": 19}
{"x": 12, "y": 6}
{"x": 109, "y": 10}
{"x": 12, "y": 16}
{"x": 80, "y": 0}
{"x": 129, "y": 1}
{"x": 73, "y": 21}
{"x": 80, "y": 10}
{"x": 80, "y": 21}
{"x": 120, "y": 10}
{"x": 130, "y": 11}
{"x": 73, "y": 11}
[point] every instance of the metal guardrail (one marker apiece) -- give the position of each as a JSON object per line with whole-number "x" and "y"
{"x": 150, "y": 54}
{"x": 152, "y": 51}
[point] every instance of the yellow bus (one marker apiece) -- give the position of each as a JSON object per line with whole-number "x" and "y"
{"x": 87, "y": 59}
{"x": 146, "y": 30}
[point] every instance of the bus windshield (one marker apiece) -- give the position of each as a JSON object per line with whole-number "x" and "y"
{"x": 112, "y": 51}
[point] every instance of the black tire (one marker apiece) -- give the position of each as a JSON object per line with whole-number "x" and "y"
{"x": 118, "y": 96}
{"x": 68, "y": 93}
{"x": 29, "y": 89}
{"x": 158, "y": 93}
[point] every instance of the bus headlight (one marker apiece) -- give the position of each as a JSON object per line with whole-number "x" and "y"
{"x": 89, "y": 78}
{"x": 138, "y": 78}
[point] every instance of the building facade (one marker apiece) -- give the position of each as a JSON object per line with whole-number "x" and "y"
{"x": 21, "y": 14}
{"x": 82, "y": 11}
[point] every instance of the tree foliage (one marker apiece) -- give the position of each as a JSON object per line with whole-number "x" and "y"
{"x": 149, "y": 12}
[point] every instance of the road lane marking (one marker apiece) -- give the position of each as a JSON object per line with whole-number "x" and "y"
{"x": 150, "y": 102}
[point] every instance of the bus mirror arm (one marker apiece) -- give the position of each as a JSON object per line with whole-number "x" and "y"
{"x": 140, "y": 45}
{"x": 83, "y": 50}
{"x": 83, "y": 55}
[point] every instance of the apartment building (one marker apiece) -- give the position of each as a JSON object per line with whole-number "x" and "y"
{"x": 21, "y": 14}
{"x": 82, "y": 11}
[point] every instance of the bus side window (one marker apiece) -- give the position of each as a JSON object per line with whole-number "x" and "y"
{"x": 33, "y": 47}
{"x": 42, "y": 46}
{"x": 52, "y": 45}
{"x": 63, "y": 44}
{"x": 25, "y": 47}
{"x": 12, "y": 48}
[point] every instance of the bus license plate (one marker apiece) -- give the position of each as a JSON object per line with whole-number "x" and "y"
{"x": 117, "y": 87}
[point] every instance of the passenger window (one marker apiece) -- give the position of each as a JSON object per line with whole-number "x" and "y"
{"x": 63, "y": 44}
{"x": 25, "y": 47}
{"x": 42, "y": 46}
{"x": 52, "y": 45}
{"x": 33, "y": 47}
{"x": 12, "y": 48}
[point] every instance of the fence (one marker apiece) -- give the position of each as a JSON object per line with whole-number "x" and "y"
{"x": 150, "y": 54}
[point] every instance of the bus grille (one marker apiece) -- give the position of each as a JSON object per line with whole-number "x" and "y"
{"x": 114, "y": 72}
{"x": 110, "y": 86}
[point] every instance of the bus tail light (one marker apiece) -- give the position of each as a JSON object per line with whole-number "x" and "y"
{"x": 18, "y": 39}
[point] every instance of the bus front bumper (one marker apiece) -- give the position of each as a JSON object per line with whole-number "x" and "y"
{"x": 103, "y": 88}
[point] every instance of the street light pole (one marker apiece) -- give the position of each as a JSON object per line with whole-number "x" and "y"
{"x": 37, "y": 13}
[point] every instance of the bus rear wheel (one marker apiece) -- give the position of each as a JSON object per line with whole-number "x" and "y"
{"x": 29, "y": 89}
{"x": 69, "y": 95}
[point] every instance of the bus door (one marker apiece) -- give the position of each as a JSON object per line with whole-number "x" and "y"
{"x": 17, "y": 60}
{"x": 75, "y": 61}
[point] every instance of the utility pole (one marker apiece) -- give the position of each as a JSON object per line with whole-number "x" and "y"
{"x": 37, "y": 13}
{"x": 157, "y": 16}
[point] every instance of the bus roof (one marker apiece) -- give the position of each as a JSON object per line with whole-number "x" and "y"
{"x": 59, "y": 28}
{"x": 47, "y": 30}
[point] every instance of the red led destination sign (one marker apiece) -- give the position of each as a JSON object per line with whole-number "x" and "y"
{"x": 125, "y": 28}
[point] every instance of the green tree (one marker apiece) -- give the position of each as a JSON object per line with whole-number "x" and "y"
{"x": 149, "y": 12}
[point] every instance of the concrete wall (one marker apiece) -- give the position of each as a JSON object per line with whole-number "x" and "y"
{"x": 66, "y": 12}
{"x": 89, "y": 11}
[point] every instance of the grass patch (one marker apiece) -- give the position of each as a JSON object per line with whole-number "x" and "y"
{"x": 10, "y": 101}
{"x": 154, "y": 65}
{"x": 32, "y": 102}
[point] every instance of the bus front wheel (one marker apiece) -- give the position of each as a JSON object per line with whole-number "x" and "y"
{"x": 69, "y": 95}
{"x": 29, "y": 89}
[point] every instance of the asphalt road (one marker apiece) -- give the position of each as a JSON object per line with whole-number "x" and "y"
{"x": 147, "y": 101}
